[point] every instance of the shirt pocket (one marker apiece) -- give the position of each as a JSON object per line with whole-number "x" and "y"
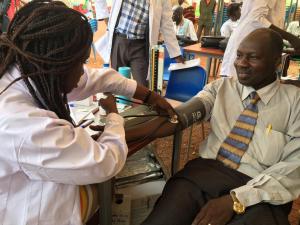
{"x": 268, "y": 144}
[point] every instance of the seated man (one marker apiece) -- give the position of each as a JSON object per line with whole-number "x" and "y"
{"x": 234, "y": 14}
{"x": 184, "y": 28}
{"x": 248, "y": 171}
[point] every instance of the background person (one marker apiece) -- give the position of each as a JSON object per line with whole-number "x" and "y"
{"x": 133, "y": 28}
{"x": 205, "y": 22}
{"x": 256, "y": 14}
{"x": 183, "y": 27}
{"x": 234, "y": 14}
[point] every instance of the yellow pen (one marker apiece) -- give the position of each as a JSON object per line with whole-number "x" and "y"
{"x": 269, "y": 128}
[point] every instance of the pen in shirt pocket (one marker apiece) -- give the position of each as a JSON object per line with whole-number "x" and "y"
{"x": 269, "y": 128}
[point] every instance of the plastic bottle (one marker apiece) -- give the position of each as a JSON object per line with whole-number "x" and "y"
{"x": 126, "y": 72}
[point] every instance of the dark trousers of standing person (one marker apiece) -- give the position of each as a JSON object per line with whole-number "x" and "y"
{"x": 202, "y": 180}
{"x": 131, "y": 53}
{"x": 207, "y": 30}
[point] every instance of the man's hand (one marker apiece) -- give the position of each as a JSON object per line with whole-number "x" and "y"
{"x": 179, "y": 59}
{"x": 160, "y": 104}
{"x": 216, "y": 212}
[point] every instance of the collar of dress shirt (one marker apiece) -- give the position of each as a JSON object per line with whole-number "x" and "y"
{"x": 265, "y": 93}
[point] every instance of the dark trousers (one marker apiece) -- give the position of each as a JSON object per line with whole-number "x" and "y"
{"x": 204, "y": 179}
{"x": 131, "y": 53}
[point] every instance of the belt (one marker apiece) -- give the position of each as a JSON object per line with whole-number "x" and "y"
{"x": 125, "y": 36}
{"x": 121, "y": 35}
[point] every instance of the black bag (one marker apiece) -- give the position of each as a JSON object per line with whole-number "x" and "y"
{"x": 211, "y": 41}
{"x": 223, "y": 43}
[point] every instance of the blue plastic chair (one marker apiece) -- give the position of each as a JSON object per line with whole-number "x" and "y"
{"x": 167, "y": 62}
{"x": 182, "y": 86}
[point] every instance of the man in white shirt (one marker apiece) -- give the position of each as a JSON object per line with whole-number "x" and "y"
{"x": 234, "y": 14}
{"x": 248, "y": 171}
{"x": 256, "y": 14}
{"x": 44, "y": 155}
{"x": 133, "y": 28}
{"x": 183, "y": 27}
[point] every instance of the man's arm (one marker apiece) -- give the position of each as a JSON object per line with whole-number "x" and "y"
{"x": 196, "y": 109}
{"x": 292, "y": 39}
{"x": 167, "y": 29}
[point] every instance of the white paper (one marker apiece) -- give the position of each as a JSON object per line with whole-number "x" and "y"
{"x": 187, "y": 64}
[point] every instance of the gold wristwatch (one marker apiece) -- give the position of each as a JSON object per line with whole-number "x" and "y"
{"x": 238, "y": 207}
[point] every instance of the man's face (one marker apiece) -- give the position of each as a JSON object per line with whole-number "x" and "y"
{"x": 255, "y": 64}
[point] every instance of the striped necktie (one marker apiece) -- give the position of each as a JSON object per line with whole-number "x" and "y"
{"x": 237, "y": 142}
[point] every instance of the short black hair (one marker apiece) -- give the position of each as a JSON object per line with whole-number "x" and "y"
{"x": 232, "y": 9}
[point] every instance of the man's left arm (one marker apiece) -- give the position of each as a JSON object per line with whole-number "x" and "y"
{"x": 167, "y": 29}
{"x": 279, "y": 183}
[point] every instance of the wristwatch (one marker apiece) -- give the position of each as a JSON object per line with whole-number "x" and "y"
{"x": 238, "y": 207}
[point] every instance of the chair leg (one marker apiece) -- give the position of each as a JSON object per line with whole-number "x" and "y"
{"x": 203, "y": 131}
{"x": 189, "y": 145}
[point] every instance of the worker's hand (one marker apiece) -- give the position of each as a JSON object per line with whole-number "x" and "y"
{"x": 160, "y": 104}
{"x": 179, "y": 59}
{"x": 109, "y": 104}
{"x": 216, "y": 211}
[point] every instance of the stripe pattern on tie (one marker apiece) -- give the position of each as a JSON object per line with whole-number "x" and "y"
{"x": 237, "y": 142}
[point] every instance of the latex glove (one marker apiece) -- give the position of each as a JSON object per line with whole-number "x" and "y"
{"x": 215, "y": 212}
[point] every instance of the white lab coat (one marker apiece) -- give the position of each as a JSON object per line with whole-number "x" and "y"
{"x": 160, "y": 20}
{"x": 44, "y": 158}
{"x": 255, "y": 14}
{"x": 101, "y": 10}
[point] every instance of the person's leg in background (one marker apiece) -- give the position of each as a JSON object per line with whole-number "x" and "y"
{"x": 119, "y": 52}
{"x": 199, "y": 31}
{"x": 207, "y": 30}
{"x": 138, "y": 60}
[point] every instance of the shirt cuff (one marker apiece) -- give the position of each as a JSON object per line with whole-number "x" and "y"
{"x": 131, "y": 88}
{"x": 247, "y": 195}
{"x": 114, "y": 118}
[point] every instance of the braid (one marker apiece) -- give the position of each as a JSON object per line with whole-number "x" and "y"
{"x": 46, "y": 39}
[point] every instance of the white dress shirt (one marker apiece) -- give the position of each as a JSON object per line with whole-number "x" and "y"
{"x": 255, "y": 14}
{"x": 228, "y": 27}
{"x": 273, "y": 156}
{"x": 44, "y": 158}
{"x": 186, "y": 29}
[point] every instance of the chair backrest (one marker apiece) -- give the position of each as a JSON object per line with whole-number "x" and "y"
{"x": 184, "y": 84}
{"x": 167, "y": 62}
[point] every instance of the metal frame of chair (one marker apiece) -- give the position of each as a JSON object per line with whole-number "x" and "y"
{"x": 182, "y": 86}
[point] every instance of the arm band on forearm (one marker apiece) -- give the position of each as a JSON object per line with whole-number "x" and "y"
{"x": 190, "y": 112}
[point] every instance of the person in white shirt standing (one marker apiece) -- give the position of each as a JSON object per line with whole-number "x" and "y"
{"x": 234, "y": 14}
{"x": 44, "y": 156}
{"x": 256, "y": 14}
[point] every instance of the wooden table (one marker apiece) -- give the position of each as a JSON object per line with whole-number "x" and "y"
{"x": 210, "y": 53}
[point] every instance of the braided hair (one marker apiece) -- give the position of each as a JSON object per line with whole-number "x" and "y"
{"x": 46, "y": 40}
